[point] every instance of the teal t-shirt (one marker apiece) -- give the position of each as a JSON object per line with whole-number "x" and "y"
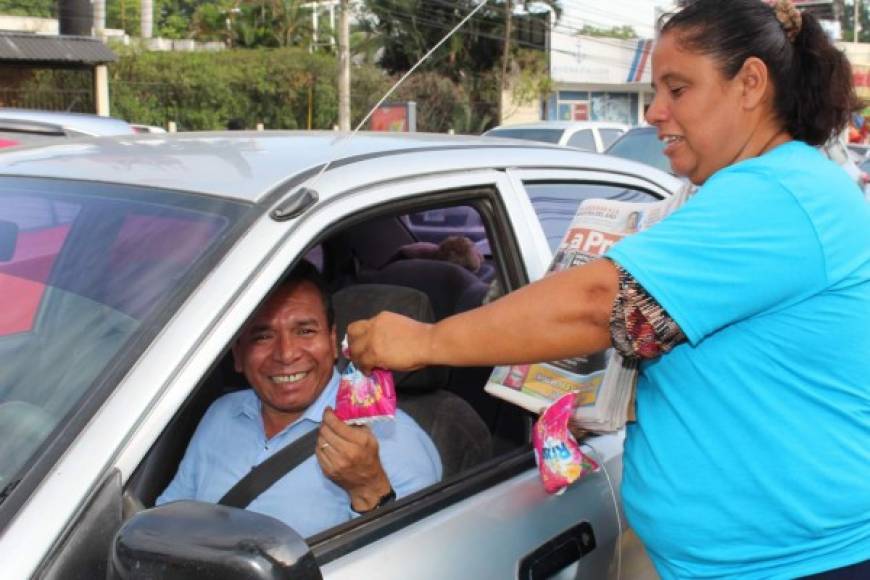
{"x": 750, "y": 457}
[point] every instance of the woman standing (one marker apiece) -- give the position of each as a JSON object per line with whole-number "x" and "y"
{"x": 750, "y": 304}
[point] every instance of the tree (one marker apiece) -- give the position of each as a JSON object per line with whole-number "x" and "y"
{"x": 624, "y": 32}
{"x": 847, "y": 22}
{"x": 38, "y": 8}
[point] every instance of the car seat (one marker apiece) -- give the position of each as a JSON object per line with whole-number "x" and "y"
{"x": 460, "y": 435}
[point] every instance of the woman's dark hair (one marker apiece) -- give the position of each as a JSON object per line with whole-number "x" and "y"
{"x": 812, "y": 79}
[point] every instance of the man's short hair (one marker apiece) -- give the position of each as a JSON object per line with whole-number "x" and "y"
{"x": 305, "y": 271}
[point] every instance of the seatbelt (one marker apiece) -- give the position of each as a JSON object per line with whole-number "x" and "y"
{"x": 264, "y": 475}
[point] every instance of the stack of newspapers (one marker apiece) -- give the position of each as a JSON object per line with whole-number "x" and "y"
{"x": 603, "y": 383}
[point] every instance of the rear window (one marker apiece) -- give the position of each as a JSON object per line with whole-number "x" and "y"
{"x": 583, "y": 139}
{"x": 545, "y": 135}
{"x": 643, "y": 146}
{"x": 608, "y": 136}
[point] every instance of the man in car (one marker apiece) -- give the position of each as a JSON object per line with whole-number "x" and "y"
{"x": 287, "y": 352}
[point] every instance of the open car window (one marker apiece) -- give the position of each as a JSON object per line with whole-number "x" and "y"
{"x": 393, "y": 253}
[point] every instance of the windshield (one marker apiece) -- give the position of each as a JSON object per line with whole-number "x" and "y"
{"x": 643, "y": 146}
{"x": 545, "y": 135}
{"x": 85, "y": 271}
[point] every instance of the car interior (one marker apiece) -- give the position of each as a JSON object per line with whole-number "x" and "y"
{"x": 427, "y": 263}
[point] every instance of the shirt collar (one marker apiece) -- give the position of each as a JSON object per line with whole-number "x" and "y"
{"x": 251, "y": 407}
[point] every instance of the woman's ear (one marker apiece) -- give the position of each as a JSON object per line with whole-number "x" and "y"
{"x": 755, "y": 82}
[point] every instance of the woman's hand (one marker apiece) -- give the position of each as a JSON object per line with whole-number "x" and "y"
{"x": 389, "y": 341}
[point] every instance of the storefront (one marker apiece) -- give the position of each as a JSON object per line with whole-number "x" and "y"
{"x": 599, "y": 79}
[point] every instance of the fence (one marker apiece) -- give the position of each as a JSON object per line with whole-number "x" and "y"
{"x": 80, "y": 101}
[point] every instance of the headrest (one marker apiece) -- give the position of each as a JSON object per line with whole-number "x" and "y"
{"x": 363, "y": 301}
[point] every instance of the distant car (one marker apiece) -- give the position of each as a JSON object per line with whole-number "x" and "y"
{"x": 147, "y": 128}
{"x": 838, "y": 152}
{"x": 641, "y": 144}
{"x": 30, "y": 126}
{"x": 586, "y": 135}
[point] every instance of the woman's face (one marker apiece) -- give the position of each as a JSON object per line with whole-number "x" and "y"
{"x": 697, "y": 111}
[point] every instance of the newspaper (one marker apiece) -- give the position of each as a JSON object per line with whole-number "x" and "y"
{"x": 604, "y": 381}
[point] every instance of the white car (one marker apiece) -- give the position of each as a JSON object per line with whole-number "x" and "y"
{"x": 128, "y": 265}
{"x": 586, "y": 135}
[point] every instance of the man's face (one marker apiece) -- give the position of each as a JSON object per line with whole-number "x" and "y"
{"x": 287, "y": 352}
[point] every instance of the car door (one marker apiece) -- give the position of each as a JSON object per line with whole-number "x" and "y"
{"x": 496, "y": 521}
{"x": 491, "y": 521}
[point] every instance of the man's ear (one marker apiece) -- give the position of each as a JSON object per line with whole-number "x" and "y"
{"x": 754, "y": 78}
{"x": 335, "y": 347}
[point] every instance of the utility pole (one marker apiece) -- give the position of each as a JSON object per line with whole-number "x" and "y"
{"x": 343, "y": 67}
{"x": 505, "y": 59}
{"x": 856, "y": 22}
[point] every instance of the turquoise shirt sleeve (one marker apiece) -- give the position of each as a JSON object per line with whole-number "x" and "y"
{"x": 741, "y": 246}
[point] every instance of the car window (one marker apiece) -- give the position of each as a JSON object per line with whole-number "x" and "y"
{"x": 556, "y": 203}
{"x": 545, "y": 135}
{"x": 583, "y": 139}
{"x": 86, "y": 274}
{"x": 643, "y": 146}
{"x": 608, "y": 136}
{"x": 436, "y": 224}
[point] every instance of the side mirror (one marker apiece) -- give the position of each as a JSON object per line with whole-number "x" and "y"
{"x": 192, "y": 540}
{"x": 8, "y": 240}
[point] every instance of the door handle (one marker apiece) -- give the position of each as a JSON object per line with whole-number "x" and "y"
{"x": 557, "y": 553}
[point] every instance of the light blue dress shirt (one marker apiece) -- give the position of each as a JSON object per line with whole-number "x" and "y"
{"x": 230, "y": 441}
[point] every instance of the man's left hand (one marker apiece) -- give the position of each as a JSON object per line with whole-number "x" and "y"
{"x": 348, "y": 455}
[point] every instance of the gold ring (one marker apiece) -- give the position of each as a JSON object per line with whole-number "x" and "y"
{"x": 324, "y": 446}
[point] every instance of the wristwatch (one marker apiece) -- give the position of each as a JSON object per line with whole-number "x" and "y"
{"x": 386, "y": 499}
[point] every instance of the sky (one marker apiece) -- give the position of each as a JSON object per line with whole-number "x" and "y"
{"x": 639, "y": 14}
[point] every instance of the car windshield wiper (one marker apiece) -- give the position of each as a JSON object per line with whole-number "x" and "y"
{"x": 8, "y": 489}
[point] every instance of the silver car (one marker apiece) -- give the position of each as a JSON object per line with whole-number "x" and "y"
{"x": 30, "y": 126}
{"x": 128, "y": 265}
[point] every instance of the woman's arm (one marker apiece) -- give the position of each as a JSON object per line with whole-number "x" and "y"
{"x": 565, "y": 314}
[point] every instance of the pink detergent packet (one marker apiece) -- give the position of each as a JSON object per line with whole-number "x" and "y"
{"x": 362, "y": 399}
{"x": 557, "y": 453}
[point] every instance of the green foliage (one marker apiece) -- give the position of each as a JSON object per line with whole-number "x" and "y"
{"x": 531, "y": 81}
{"x": 624, "y": 32}
{"x": 204, "y": 90}
{"x": 40, "y": 8}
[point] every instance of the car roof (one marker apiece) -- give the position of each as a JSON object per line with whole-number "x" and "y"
{"x": 79, "y": 122}
{"x": 565, "y": 125}
{"x": 249, "y": 165}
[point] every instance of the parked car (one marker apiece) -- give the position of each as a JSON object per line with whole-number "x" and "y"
{"x": 586, "y": 135}
{"x": 28, "y": 127}
{"x": 839, "y": 153}
{"x": 641, "y": 144}
{"x": 128, "y": 266}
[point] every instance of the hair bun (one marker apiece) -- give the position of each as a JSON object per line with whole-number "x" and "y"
{"x": 789, "y": 17}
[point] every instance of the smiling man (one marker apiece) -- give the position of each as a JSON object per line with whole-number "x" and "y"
{"x": 287, "y": 352}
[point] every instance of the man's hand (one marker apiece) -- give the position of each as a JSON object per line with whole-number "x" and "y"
{"x": 389, "y": 341}
{"x": 348, "y": 455}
